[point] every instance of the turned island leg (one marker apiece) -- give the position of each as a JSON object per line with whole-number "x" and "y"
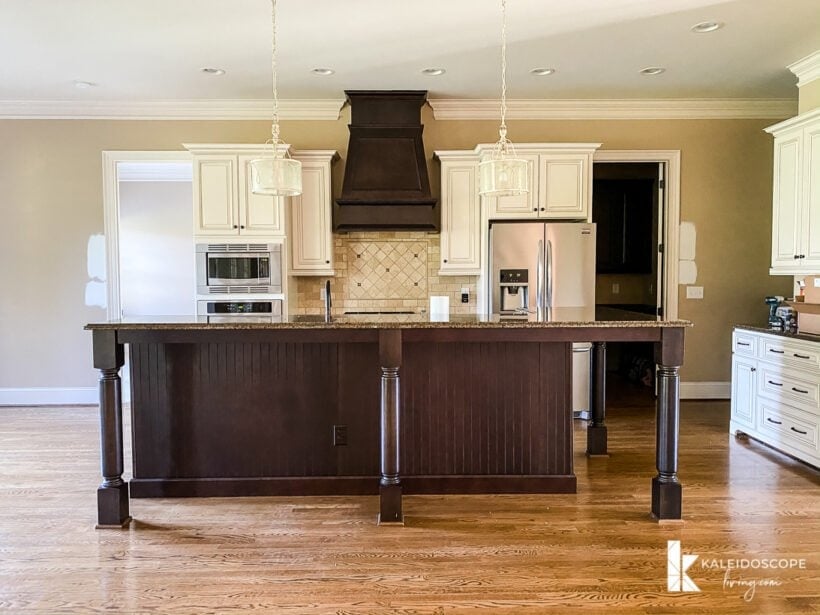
{"x": 390, "y": 483}
{"x": 666, "y": 489}
{"x": 596, "y": 430}
{"x": 112, "y": 494}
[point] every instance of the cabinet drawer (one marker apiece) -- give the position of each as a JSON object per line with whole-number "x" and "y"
{"x": 781, "y": 383}
{"x": 744, "y": 343}
{"x": 790, "y": 353}
{"x": 785, "y": 425}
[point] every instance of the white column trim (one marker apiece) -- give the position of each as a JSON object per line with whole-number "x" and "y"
{"x": 672, "y": 222}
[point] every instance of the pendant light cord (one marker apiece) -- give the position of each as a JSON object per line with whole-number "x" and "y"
{"x": 503, "y": 128}
{"x": 275, "y": 125}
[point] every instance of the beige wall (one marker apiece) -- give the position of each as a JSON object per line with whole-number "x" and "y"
{"x": 809, "y": 97}
{"x": 51, "y": 179}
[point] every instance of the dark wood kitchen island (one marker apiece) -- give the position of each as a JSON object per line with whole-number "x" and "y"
{"x": 363, "y": 405}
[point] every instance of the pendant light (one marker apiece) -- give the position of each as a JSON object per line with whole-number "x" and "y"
{"x": 277, "y": 174}
{"x": 502, "y": 174}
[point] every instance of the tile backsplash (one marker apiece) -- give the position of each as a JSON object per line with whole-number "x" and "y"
{"x": 383, "y": 271}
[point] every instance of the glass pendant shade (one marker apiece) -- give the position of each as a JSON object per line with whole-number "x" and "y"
{"x": 276, "y": 176}
{"x": 503, "y": 177}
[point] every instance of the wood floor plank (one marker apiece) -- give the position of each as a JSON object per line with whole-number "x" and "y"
{"x": 594, "y": 552}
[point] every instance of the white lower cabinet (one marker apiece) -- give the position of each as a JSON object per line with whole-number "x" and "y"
{"x": 776, "y": 392}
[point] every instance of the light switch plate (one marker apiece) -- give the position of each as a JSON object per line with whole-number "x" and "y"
{"x": 616, "y": 288}
{"x": 817, "y": 282}
{"x": 694, "y": 292}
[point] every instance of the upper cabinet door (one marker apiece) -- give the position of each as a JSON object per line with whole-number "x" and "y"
{"x": 786, "y": 201}
{"x": 460, "y": 219}
{"x": 522, "y": 205}
{"x": 215, "y": 195}
{"x": 311, "y": 239}
{"x": 811, "y": 200}
{"x": 563, "y": 186}
{"x": 258, "y": 214}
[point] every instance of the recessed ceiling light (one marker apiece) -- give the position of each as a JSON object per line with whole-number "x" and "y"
{"x": 433, "y": 72}
{"x": 84, "y": 85}
{"x": 652, "y": 70}
{"x": 323, "y": 71}
{"x": 542, "y": 72}
{"x": 706, "y": 26}
{"x": 213, "y": 71}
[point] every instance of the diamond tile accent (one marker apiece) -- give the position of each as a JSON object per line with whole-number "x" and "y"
{"x": 387, "y": 270}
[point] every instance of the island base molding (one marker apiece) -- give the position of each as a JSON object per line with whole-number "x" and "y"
{"x": 348, "y": 485}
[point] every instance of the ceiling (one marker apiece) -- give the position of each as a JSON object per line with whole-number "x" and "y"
{"x": 154, "y": 49}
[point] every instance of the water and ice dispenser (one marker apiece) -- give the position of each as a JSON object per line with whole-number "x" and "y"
{"x": 514, "y": 291}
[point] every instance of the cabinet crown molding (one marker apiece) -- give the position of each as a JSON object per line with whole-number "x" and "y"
{"x": 794, "y": 122}
{"x": 806, "y": 69}
{"x": 233, "y": 148}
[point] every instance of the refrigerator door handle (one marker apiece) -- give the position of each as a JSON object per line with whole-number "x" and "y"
{"x": 548, "y": 281}
{"x": 539, "y": 278}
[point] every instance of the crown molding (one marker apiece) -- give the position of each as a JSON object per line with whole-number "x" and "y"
{"x": 616, "y": 109}
{"x": 807, "y": 69}
{"x": 293, "y": 109}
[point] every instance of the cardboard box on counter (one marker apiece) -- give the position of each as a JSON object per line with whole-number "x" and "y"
{"x": 812, "y": 290}
{"x": 808, "y": 316}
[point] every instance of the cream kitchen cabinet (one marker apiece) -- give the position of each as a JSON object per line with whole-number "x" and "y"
{"x": 776, "y": 392}
{"x": 310, "y": 214}
{"x": 460, "y": 214}
{"x": 224, "y": 204}
{"x": 560, "y": 180}
{"x": 796, "y": 196}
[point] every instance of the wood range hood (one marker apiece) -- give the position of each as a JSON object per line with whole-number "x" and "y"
{"x": 386, "y": 186}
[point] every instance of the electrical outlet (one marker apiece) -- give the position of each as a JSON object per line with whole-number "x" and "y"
{"x": 340, "y": 435}
{"x": 322, "y": 293}
{"x": 616, "y": 288}
{"x": 465, "y": 295}
{"x": 694, "y": 292}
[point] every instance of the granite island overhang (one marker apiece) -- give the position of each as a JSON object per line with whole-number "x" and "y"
{"x": 365, "y": 404}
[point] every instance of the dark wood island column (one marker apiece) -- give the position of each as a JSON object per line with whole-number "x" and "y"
{"x": 596, "y": 431}
{"x": 390, "y": 410}
{"x": 112, "y": 494}
{"x": 666, "y": 489}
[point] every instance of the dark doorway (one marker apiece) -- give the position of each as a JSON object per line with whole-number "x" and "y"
{"x": 627, "y": 206}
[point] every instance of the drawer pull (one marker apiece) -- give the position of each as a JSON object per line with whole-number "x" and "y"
{"x": 796, "y": 390}
{"x": 775, "y": 351}
{"x": 777, "y": 384}
{"x": 773, "y": 421}
{"x": 802, "y": 356}
{"x": 745, "y": 344}
{"x": 798, "y": 431}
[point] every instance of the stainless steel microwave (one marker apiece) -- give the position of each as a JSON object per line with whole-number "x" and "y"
{"x": 230, "y": 268}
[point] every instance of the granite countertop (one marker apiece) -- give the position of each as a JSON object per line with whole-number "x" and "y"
{"x": 807, "y": 337}
{"x": 560, "y": 317}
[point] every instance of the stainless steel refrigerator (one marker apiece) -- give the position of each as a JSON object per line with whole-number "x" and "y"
{"x": 546, "y": 270}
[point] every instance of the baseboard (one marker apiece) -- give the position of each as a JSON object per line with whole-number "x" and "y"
{"x": 47, "y": 396}
{"x": 705, "y": 390}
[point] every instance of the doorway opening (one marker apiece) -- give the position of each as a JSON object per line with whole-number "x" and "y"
{"x": 629, "y": 211}
{"x": 149, "y": 252}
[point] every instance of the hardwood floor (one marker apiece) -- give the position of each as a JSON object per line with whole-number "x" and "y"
{"x": 594, "y": 552}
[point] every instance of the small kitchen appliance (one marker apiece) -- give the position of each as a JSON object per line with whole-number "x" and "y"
{"x": 775, "y": 322}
